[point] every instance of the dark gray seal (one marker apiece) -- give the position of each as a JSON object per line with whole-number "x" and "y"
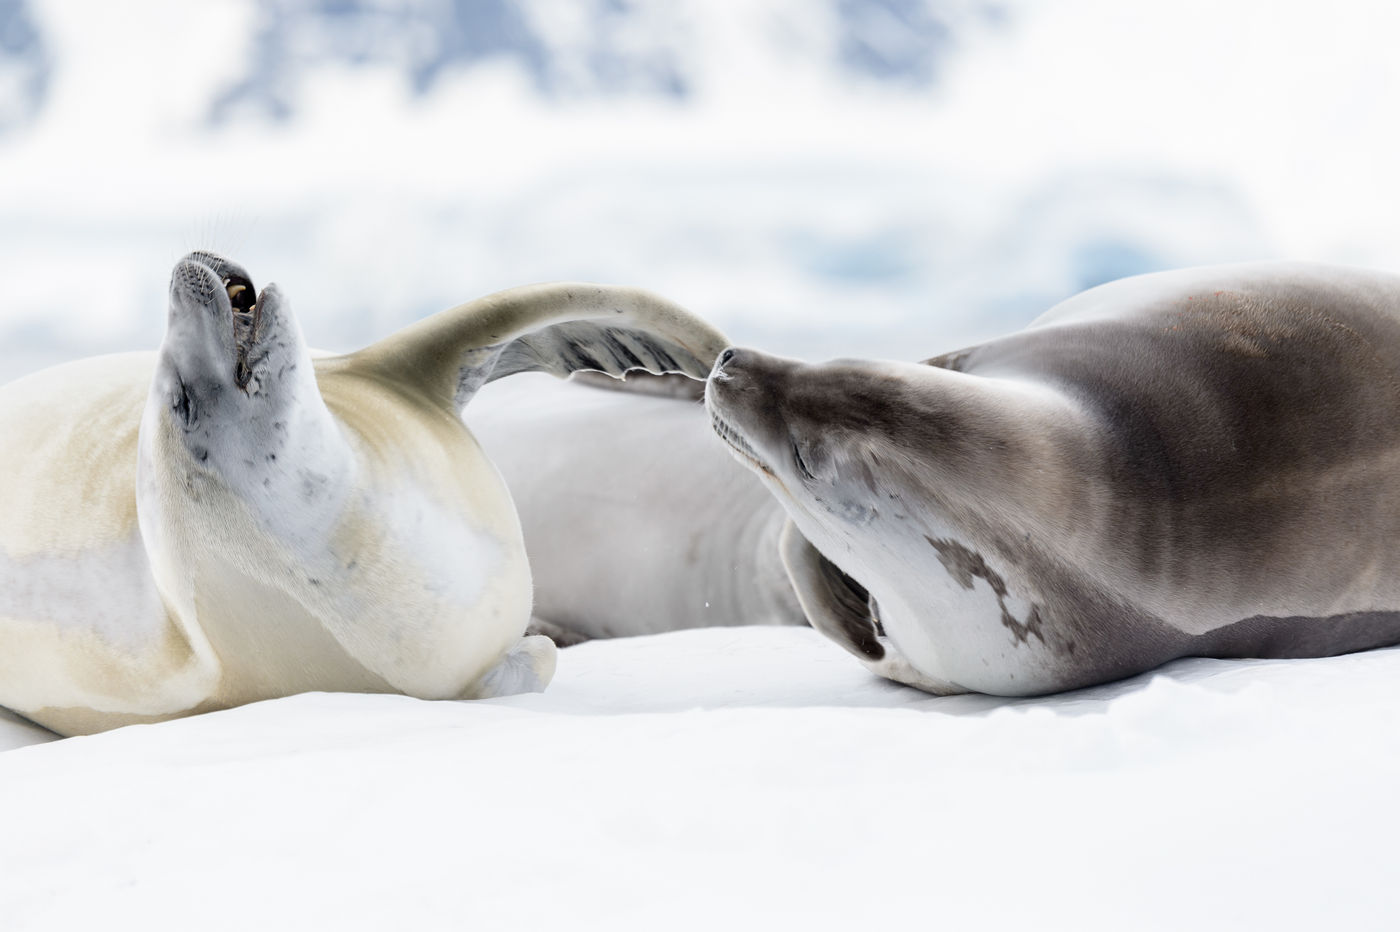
{"x": 1203, "y": 462}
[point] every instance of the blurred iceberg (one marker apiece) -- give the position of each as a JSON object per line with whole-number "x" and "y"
{"x": 24, "y": 66}
{"x": 842, "y": 177}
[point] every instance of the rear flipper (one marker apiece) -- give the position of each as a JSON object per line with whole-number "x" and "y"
{"x": 840, "y": 608}
{"x": 526, "y": 668}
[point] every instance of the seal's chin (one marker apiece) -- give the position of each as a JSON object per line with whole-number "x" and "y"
{"x": 731, "y": 435}
{"x": 247, "y": 315}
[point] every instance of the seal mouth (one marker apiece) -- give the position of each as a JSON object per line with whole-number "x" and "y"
{"x": 737, "y": 443}
{"x": 246, "y": 305}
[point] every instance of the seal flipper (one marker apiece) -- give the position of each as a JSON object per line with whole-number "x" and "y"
{"x": 557, "y": 328}
{"x": 641, "y": 382}
{"x": 526, "y": 668}
{"x": 840, "y": 608}
{"x": 834, "y": 603}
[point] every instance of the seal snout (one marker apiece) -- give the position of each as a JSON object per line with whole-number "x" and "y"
{"x": 726, "y": 358}
{"x": 730, "y": 398}
{"x": 199, "y": 278}
{"x": 752, "y": 366}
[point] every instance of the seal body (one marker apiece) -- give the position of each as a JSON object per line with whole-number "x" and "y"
{"x": 1191, "y": 463}
{"x": 449, "y": 596}
{"x": 635, "y": 520}
{"x": 230, "y": 520}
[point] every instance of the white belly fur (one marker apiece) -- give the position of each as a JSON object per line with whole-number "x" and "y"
{"x": 87, "y": 642}
{"x": 81, "y": 623}
{"x": 950, "y": 633}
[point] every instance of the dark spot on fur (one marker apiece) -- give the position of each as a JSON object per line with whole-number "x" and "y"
{"x": 965, "y": 565}
{"x": 183, "y": 404}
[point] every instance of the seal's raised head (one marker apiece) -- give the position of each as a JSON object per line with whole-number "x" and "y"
{"x": 215, "y": 310}
{"x": 236, "y": 431}
{"x": 233, "y": 365}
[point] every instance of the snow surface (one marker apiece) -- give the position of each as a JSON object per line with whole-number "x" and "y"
{"x": 730, "y": 778}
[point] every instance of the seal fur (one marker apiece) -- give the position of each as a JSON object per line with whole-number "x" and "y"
{"x": 1199, "y": 462}
{"x": 230, "y": 520}
{"x": 635, "y": 520}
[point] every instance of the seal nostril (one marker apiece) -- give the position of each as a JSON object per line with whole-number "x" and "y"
{"x": 725, "y": 356}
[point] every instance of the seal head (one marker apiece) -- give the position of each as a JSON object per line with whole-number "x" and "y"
{"x": 881, "y": 469}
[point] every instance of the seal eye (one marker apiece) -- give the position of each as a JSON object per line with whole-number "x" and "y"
{"x": 240, "y": 292}
{"x": 802, "y": 464}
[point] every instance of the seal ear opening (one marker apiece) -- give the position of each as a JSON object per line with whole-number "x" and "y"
{"x": 834, "y": 603}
